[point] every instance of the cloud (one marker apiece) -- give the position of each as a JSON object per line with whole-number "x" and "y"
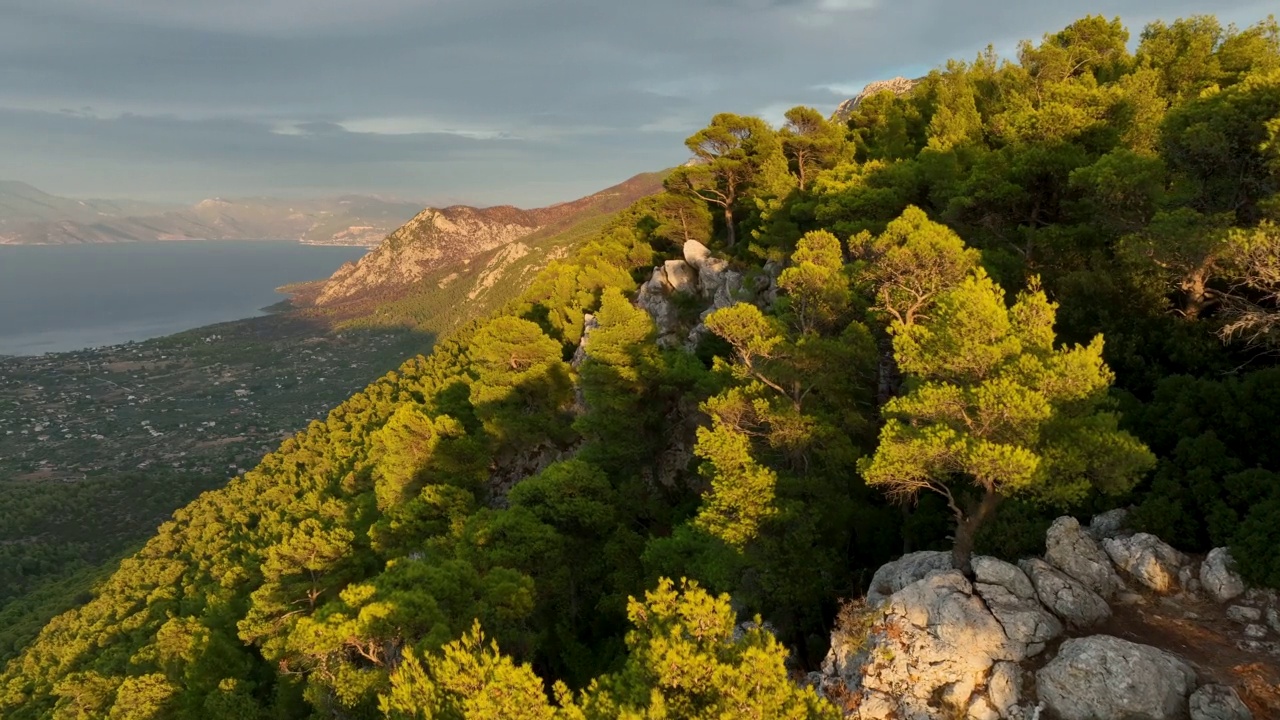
{"x": 483, "y": 100}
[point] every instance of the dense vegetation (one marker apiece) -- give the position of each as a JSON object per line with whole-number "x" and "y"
{"x": 1026, "y": 287}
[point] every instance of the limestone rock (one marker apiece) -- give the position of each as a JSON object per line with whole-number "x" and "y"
{"x": 1148, "y": 559}
{"x": 897, "y": 86}
{"x": 1070, "y": 549}
{"x": 653, "y": 299}
{"x": 893, "y": 576}
{"x": 936, "y": 645}
{"x": 1076, "y": 604}
{"x": 1189, "y": 577}
{"x": 1109, "y": 524}
{"x": 1218, "y": 575}
{"x": 695, "y": 253}
{"x": 990, "y": 571}
{"x": 1025, "y": 621}
{"x": 1273, "y": 619}
{"x": 1243, "y": 614}
{"x": 1218, "y": 702}
{"x": 1106, "y": 677}
{"x": 1004, "y": 687}
{"x": 1255, "y": 632}
{"x": 680, "y": 277}
{"x": 589, "y": 323}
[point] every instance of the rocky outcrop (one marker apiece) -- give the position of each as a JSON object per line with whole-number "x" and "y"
{"x": 1218, "y": 576}
{"x": 1218, "y": 702}
{"x": 897, "y": 86}
{"x": 1070, "y": 600}
{"x": 699, "y": 274}
{"x": 1011, "y": 598}
{"x": 1148, "y": 560}
{"x": 894, "y": 576}
{"x": 1073, "y": 551}
{"x": 1103, "y": 677}
{"x": 933, "y": 645}
{"x": 1109, "y": 524}
{"x": 431, "y": 240}
{"x": 936, "y": 647}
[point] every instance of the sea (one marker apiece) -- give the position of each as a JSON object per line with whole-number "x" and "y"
{"x": 57, "y": 298}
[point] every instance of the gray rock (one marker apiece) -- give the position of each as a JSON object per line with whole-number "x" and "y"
{"x": 1243, "y": 614}
{"x": 937, "y": 641}
{"x": 589, "y": 323}
{"x": 680, "y": 277}
{"x": 1273, "y": 619}
{"x": 695, "y": 253}
{"x": 1066, "y": 597}
{"x": 1025, "y": 621}
{"x": 653, "y": 299}
{"x": 893, "y": 576}
{"x": 1189, "y": 578}
{"x": 1218, "y": 702}
{"x": 1070, "y": 549}
{"x": 1004, "y": 687}
{"x": 1218, "y": 575}
{"x": 1109, "y": 524}
{"x": 1255, "y": 632}
{"x": 1103, "y": 677}
{"x": 990, "y": 571}
{"x": 1148, "y": 559}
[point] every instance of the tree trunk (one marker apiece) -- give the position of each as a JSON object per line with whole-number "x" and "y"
{"x": 728, "y": 224}
{"x": 890, "y": 377}
{"x": 967, "y": 531}
{"x": 684, "y": 225}
{"x": 1197, "y": 294}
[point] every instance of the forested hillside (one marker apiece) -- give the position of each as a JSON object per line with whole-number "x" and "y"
{"x": 1028, "y": 286}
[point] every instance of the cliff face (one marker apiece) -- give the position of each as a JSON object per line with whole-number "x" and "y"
{"x": 897, "y": 86}
{"x": 433, "y": 239}
{"x": 440, "y": 244}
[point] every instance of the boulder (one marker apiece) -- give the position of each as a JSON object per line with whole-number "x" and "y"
{"x": 680, "y": 277}
{"x": 1218, "y": 575}
{"x": 933, "y": 652}
{"x": 1109, "y": 524}
{"x": 1073, "y": 551}
{"x": 1025, "y": 621}
{"x": 990, "y": 571}
{"x": 1255, "y": 632}
{"x": 1273, "y": 619}
{"x": 893, "y": 576}
{"x": 695, "y": 253}
{"x": 653, "y": 299}
{"x": 1148, "y": 559}
{"x": 1243, "y": 614}
{"x": 1099, "y": 677}
{"x": 1189, "y": 577}
{"x": 1218, "y": 702}
{"x": 1066, "y": 597}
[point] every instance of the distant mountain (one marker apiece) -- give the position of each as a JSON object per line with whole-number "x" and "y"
{"x": 462, "y": 252}
{"x": 29, "y": 216}
{"x": 897, "y": 86}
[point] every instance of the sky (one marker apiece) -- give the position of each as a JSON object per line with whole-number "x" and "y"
{"x": 527, "y": 102}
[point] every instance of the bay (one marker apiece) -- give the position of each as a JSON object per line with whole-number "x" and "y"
{"x": 69, "y": 297}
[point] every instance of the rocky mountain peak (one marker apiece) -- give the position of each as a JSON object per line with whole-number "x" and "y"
{"x": 898, "y": 86}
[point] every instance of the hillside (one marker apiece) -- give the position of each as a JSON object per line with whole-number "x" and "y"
{"x": 833, "y": 377}
{"x": 31, "y": 217}
{"x": 447, "y": 266}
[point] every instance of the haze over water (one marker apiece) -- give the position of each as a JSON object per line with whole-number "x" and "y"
{"x": 70, "y": 297}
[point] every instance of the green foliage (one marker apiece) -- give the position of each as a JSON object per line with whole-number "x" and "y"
{"x": 495, "y": 481}
{"x": 466, "y": 680}
{"x": 684, "y": 661}
{"x": 992, "y": 403}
